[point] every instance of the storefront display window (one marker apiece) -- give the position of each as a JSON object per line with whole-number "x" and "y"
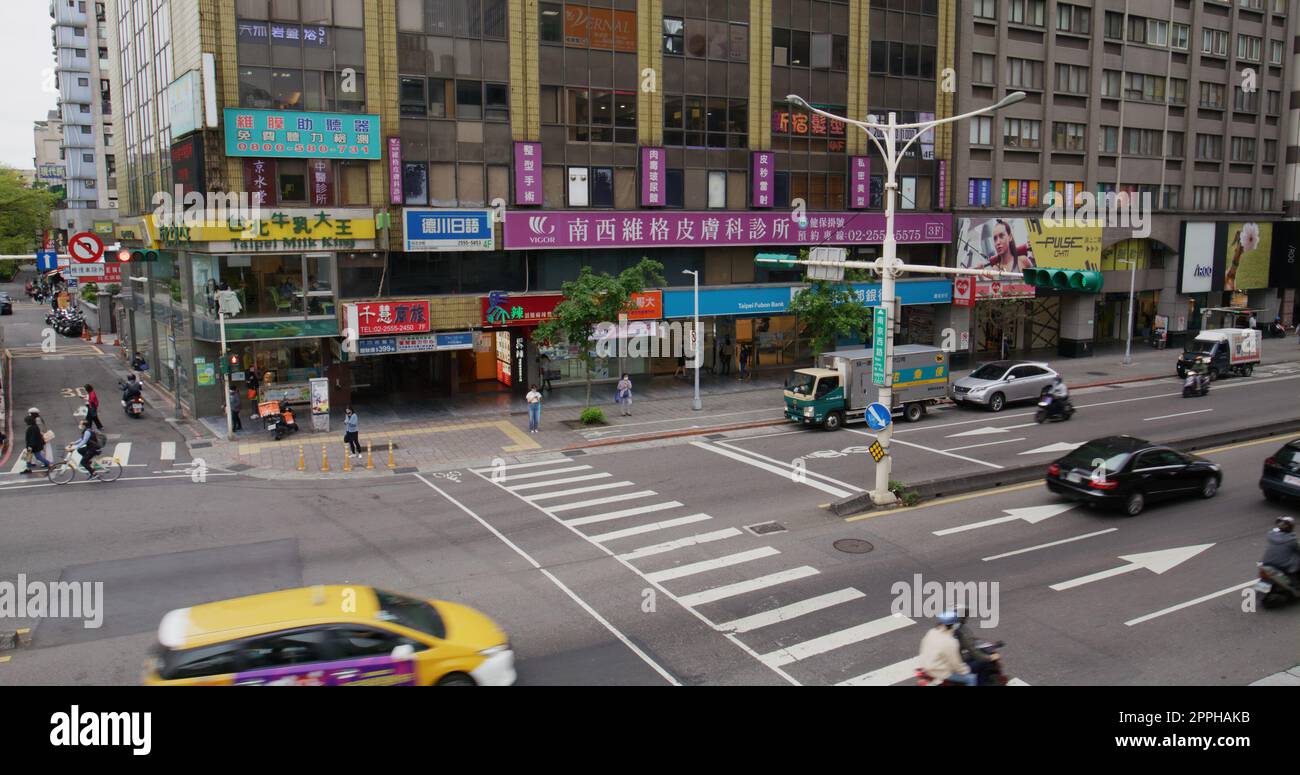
{"x": 266, "y": 285}
{"x": 282, "y": 362}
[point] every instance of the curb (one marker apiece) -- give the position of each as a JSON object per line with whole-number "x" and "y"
{"x": 942, "y": 488}
{"x": 675, "y": 434}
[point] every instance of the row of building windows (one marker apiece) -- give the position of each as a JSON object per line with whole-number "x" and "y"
{"x": 1029, "y": 193}
{"x": 1071, "y": 136}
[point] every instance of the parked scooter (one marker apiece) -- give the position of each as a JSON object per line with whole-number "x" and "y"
{"x": 67, "y": 322}
{"x": 278, "y": 418}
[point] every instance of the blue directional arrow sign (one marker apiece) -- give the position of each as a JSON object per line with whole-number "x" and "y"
{"x": 46, "y": 260}
{"x": 878, "y": 416}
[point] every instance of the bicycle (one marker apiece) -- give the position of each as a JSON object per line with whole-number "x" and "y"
{"x": 106, "y": 468}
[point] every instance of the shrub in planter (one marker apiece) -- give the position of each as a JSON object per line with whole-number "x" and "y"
{"x": 592, "y": 416}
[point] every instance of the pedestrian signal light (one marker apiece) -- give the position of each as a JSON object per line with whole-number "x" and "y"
{"x": 1075, "y": 280}
{"x": 144, "y": 256}
{"x": 232, "y": 363}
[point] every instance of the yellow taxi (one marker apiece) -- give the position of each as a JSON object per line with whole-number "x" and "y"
{"x": 330, "y": 636}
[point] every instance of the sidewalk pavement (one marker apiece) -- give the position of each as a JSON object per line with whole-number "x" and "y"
{"x": 475, "y": 430}
{"x": 1286, "y": 678}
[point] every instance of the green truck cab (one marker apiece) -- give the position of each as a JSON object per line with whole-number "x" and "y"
{"x": 839, "y": 389}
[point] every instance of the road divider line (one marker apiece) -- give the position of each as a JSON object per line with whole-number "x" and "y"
{"x": 928, "y": 449}
{"x": 835, "y": 640}
{"x": 650, "y": 528}
{"x": 1180, "y": 414}
{"x": 606, "y": 517}
{"x": 668, "y": 546}
{"x": 789, "y": 466}
{"x": 716, "y": 563}
{"x": 749, "y": 585}
{"x": 577, "y": 491}
{"x": 1053, "y": 543}
{"x": 560, "y": 584}
{"x": 168, "y": 451}
{"x": 792, "y": 611}
{"x": 886, "y": 676}
{"x": 627, "y": 496}
{"x": 553, "y": 482}
{"x": 549, "y": 472}
{"x": 1188, "y": 604}
{"x": 785, "y": 473}
{"x": 985, "y": 444}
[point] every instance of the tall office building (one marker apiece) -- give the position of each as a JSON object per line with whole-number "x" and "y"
{"x": 47, "y": 139}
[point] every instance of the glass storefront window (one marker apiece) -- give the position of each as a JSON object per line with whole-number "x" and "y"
{"x": 281, "y": 362}
{"x": 320, "y": 284}
{"x": 266, "y": 285}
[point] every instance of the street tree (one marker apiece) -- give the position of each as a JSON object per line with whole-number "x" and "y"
{"x": 829, "y": 309}
{"x": 24, "y": 213}
{"x": 592, "y": 299}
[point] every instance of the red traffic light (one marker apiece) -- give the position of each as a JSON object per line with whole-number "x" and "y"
{"x": 124, "y": 256}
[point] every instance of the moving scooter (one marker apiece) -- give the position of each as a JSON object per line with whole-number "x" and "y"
{"x": 1196, "y": 384}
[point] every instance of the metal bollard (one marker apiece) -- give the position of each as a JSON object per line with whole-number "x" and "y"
{"x": 324, "y": 459}
{"x": 302, "y": 460}
{"x": 370, "y": 460}
{"x": 391, "y": 464}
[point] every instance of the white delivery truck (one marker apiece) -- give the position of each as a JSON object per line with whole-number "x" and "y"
{"x": 1221, "y": 351}
{"x": 840, "y": 388}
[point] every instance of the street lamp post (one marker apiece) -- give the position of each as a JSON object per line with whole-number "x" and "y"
{"x": 888, "y": 265}
{"x": 699, "y": 340}
{"x": 1132, "y": 284}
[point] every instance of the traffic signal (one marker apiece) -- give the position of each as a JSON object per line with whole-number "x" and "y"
{"x": 776, "y": 260}
{"x": 139, "y": 256}
{"x": 124, "y": 256}
{"x": 233, "y": 363}
{"x": 1076, "y": 280}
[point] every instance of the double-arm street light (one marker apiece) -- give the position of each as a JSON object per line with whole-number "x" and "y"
{"x": 885, "y": 138}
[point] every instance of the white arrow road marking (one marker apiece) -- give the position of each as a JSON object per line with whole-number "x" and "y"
{"x": 1180, "y": 414}
{"x": 987, "y": 444}
{"x": 990, "y": 429}
{"x": 1189, "y": 603}
{"x": 1157, "y": 562}
{"x": 1053, "y": 543}
{"x": 1031, "y": 514}
{"x": 1060, "y": 446}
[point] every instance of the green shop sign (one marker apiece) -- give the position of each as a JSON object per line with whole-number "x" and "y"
{"x": 244, "y": 330}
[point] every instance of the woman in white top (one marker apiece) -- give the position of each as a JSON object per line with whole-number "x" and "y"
{"x": 534, "y": 408}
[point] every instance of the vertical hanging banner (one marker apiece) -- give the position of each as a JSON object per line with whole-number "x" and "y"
{"x": 653, "y": 177}
{"x": 943, "y": 184}
{"x": 322, "y": 182}
{"x": 762, "y": 178}
{"x": 259, "y": 178}
{"x": 860, "y": 174}
{"x": 395, "y": 170}
{"x": 528, "y": 173}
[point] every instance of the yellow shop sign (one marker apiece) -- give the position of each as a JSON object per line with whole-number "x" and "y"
{"x": 289, "y": 228}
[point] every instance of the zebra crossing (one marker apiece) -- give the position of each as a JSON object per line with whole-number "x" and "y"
{"x": 133, "y": 456}
{"x": 775, "y": 607}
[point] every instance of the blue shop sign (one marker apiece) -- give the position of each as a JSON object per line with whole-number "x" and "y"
{"x": 378, "y": 345}
{"x": 775, "y": 300}
{"x": 463, "y": 340}
{"x": 430, "y": 230}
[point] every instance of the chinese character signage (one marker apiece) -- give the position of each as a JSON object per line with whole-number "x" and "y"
{"x": 277, "y": 228}
{"x": 187, "y": 164}
{"x": 551, "y": 229}
{"x": 282, "y": 34}
{"x": 259, "y": 178}
{"x": 415, "y": 343}
{"x": 322, "y": 182}
{"x": 880, "y": 345}
{"x": 967, "y": 290}
{"x": 653, "y": 177}
{"x": 528, "y": 173}
{"x": 860, "y": 180}
{"x": 647, "y": 305}
{"x": 943, "y": 183}
{"x": 431, "y": 230}
{"x": 502, "y": 309}
{"x": 389, "y": 317}
{"x": 762, "y": 178}
{"x": 288, "y": 134}
{"x": 395, "y": 170}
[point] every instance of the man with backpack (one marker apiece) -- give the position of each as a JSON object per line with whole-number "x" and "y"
{"x": 91, "y": 444}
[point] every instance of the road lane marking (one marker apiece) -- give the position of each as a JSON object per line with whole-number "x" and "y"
{"x": 122, "y": 451}
{"x": 886, "y": 676}
{"x": 929, "y": 449}
{"x": 1031, "y": 514}
{"x": 572, "y": 595}
{"x": 119, "y": 479}
{"x": 1157, "y": 562}
{"x": 606, "y": 517}
{"x": 516, "y": 466}
{"x": 794, "y": 610}
{"x": 985, "y": 444}
{"x": 790, "y": 466}
{"x": 1256, "y": 442}
{"x": 168, "y": 451}
{"x": 553, "y": 482}
{"x": 549, "y": 472}
{"x": 650, "y": 528}
{"x": 1189, "y": 603}
{"x": 749, "y": 585}
{"x": 945, "y": 501}
{"x": 668, "y": 546}
{"x": 1180, "y": 414}
{"x": 602, "y": 501}
{"x": 835, "y": 640}
{"x": 577, "y": 491}
{"x": 784, "y": 473}
{"x": 1053, "y": 543}
{"x": 725, "y": 561}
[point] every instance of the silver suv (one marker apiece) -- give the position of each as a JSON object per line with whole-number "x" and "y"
{"x": 994, "y": 384}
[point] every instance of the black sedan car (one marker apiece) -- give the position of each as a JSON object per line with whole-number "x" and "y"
{"x": 1281, "y": 475}
{"x": 1127, "y": 472}
{"x": 6, "y": 304}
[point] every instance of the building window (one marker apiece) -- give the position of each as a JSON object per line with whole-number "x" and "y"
{"x": 1257, "y": 5}
{"x": 981, "y": 130}
{"x": 979, "y": 192}
{"x": 674, "y": 42}
{"x": 415, "y": 183}
{"x": 1021, "y": 133}
{"x": 1248, "y": 47}
{"x": 1171, "y": 197}
{"x": 1214, "y": 42}
{"x": 291, "y": 175}
{"x": 551, "y": 26}
{"x": 1266, "y": 199}
{"x": 1068, "y": 136}
{"x": 83, "y": 82}
{"x": 1140, "y": 86}
{"x": 1243, "y": 149}
{"x": 1205, "y": 197}
{"x": 986, "y": 9}
{"x": 1270, "y": 151}
{"x": 1027, "y": 12}
{"x": 1072, "y": 79}
{"x": 674, "y": 188}
{"x": 982, "y": 71}
{"x": 1245, "y": 101}
{"x": 1142, "y": 142}
{"x": 602, "y": 186}
{"x": 1238, "y": 198}
{"x": 1212, "y": 95}
{"x": 1177, "y": 91}
{"x": 1072, "y": 18}
{"x": 1275, "y": 50}
{"x": 80, "y": 53}
{"x": 1114, "y": 29}
{"x": 1179, "y": 37}
{"x": 704, "y": 122}
{"x": 717, "y": 189}
{"x": 1024, "y": 73}
{"x": 1109, "y": 139}
{"x": 1110, "y": 83}
{"x": 88, "y": 157}
{"x": 1209, "y": 147}
{"x": 1020, "y": 193}
{"x": 579, "y": 189}
{"x": 1273, "y": 102}
{"x": 410, "y": 95}
{"x": 1174, "y": 144}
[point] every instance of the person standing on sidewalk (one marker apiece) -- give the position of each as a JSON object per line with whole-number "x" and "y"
{"x": 253, "y": 382}
{"x": 725, "y": 353}
{"x": 350, "y": 433}
{"x": 234, "y": 409}
{"x": 744, "y": 361}
{"x": 623, "y": 395}
{"x": 92, "y": 407}
{"x": 534, "y": 400}
{"x": 35, "y": 442}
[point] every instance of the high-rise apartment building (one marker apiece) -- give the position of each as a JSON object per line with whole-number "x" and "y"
{"x": 47, "y": 139}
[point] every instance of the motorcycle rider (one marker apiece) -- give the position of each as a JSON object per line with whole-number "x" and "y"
{"x": 130, "y": 390}
{"x": 940, "y": 655}
{"x": 981, "y": 662}
{"x": 1196, "y": 377}
{"x": 1060, "y": 396}
{"x": 1283, "y": 550}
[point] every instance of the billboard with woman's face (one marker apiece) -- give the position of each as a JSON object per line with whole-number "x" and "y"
{"x": 1016, "y": 244}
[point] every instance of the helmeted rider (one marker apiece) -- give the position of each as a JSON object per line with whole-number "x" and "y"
{"x": 979, "y": 660}
{"x": 131, "y": 389}
{"x": 940, "y": 655}
{"x": 1283, "y": 550}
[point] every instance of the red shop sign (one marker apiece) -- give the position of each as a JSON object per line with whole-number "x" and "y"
{"x": 510, "y": 310}
{"x": 392, "y": 317}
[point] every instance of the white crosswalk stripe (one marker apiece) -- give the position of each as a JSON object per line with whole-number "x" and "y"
{"x": 122, "y": 451}
{"x": 548, "y": 472}
{"x": 704, "y": 566}
{"x": 602, "y": 501}
{"x": 749, "y": 585}
{"x": 168, "y": 451}
{"x": 517, "y": 466}
{"x": 668, "y": 546}
{"x": 792, "y": 611}
{"x": 835, "y": 640}
{"x": 886, "y": 676}
{"x": 580, "y": 521}
{"x": 553, "y": 482}
{"x": 650, "y": 528}
{"x": 576, "y": 491}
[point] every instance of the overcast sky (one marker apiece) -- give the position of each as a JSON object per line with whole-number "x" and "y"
{"x": 27, "y": 63}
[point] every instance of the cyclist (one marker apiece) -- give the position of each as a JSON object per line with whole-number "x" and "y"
{"x": 88, "y": 448}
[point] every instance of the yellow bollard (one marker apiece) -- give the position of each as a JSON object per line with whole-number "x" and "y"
{"x": 370, "y": 460}
{"x": 391, "y": 464}
{"x": 347, "y": 459}
{"x": 324, "y": 459}
{"x": 302, "y": 460}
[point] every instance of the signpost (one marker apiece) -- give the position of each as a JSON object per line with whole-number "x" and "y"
{"x": 47, "y": 260}
{"x": 880, "y": 346}
{"x": 878, "y": 417}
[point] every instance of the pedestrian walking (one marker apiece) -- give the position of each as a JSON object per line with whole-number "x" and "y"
{"x": 253, "y": 381}
{"x": 681, "y": 366}
{"x": 236, "y": 423}
{"x": 623, "y": 395}
{"x": 39, "y": 421}
{"x": 35, "y": 445}
{"x": 725, "y": 352}
{"x": 92, "y": 407}
{"x": 544, "y": 371}
{"x": 350, "y": 432}
{"x": 534, "y": 400}
{"x": 745, "y": 354}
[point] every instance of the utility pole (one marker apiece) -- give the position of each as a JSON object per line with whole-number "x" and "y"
{"x": 227, "y": 303}
{"x": 696, "y": 355}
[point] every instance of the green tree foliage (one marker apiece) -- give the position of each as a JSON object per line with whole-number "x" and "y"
{"x": 24, "y": 212}
{"x": 828, "y": 310}
{"x": 592, "y": 299}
